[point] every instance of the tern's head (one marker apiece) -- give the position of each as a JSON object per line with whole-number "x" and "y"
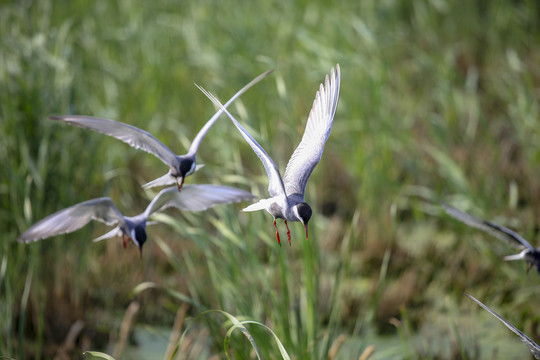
{"x": 183, "y": 166}
{"x": 138, "y": 235}
{"x": 303, "y": 213}
{"x": 533, "y": 258}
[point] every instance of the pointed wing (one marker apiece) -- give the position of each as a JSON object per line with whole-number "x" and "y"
{"x": 129, "y": 134}
{"x": 318, "y": 127}
{"x": 196, "y": 197}
{"x": 500, "y": 232}
{"x": 73, "y": 218}
{"x": 275, "y": 183}
{"x": 198, "y": 139}
{"x": 535, "y": 349}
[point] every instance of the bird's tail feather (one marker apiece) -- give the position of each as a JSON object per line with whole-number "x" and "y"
{"x": 519, "y": 256}
{"x": 198, "y": 167}
{"x": 166, "y": 179}
{"x": 110, "y": 234}
{"x": 259, "y": 205}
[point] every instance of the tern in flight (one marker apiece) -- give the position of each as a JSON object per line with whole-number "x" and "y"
{"x": 287, "y": 194}
{"x": 535, "y": 349}
{"x": 180, "y": 165}
{"x": 191, "y": 198}
{"x": 529, "y": 253}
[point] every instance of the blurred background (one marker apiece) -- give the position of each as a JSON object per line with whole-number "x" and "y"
{"x": 439, "y": 103}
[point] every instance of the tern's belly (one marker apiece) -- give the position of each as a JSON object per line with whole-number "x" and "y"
{"x": 276, "y": 211}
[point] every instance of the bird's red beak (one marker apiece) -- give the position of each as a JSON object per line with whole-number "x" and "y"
{"x": 305, "y": 228}
{"x": 181, "y": 183}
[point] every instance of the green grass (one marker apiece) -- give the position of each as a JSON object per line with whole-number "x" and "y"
{"x": 439, "y": 102}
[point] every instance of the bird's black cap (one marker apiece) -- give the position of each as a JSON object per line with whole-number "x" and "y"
{"x": 304, "y": 211}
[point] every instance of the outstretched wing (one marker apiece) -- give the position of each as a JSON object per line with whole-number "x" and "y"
{"x": 129, "y": 134}
{"x": 275, "y": 183}
{"x": 308, "y": 153}
{"x": 535, "y": 349}
{"x": 196, "y": 197}
{"x": 198, "y": 139}
{"x": 73, "y": 218}
{"x": 500, "y": 232}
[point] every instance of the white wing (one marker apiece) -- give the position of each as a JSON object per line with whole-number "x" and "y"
{"x": 196, "y": 197}
{"x": 535, "y": 349}
{"x": 73, "y": 218}
{"x": 275, "y": 183}
{"x": 129, "y": 134}
{"x": 318, "y": 127}
{"x": 197, "y": 141}
{"x": 500, "y": 232}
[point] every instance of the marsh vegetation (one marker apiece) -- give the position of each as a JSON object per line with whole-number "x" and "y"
{"x": 439, "y": 103}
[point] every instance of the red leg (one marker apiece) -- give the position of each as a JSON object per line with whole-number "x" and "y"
{"x": 125, "y": 240}
{"x": 277, "y": 233}
{"x": 288, "y": 232}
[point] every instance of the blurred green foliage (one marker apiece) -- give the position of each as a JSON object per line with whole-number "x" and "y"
{"x": 439, "y": 102}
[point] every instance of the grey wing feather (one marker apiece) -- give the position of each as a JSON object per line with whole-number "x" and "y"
{"x": 275, "y": 183}
{"x": 500, "y": 232}
{"x": 129, "y": 134}
{"x": 535, "y": 349}
{"x": 308, "y": 153}
{"x": 196, "y": 197}
{"x": 198, "y": 139}
{"x": 73, "y": 218}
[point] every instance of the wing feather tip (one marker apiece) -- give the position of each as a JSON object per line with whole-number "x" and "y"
{"x": 23, "y": 240}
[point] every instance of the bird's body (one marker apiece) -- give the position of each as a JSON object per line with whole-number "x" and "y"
{"x": 100, "y": 209}
{"x": 528, "y": 252}
{"x": 191, "y": 198}
{"x": 287, "y": 199}
{"x": 180, "y": 166}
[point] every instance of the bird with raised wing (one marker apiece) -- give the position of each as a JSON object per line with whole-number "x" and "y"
{"x": 529, "y": 253}
{"x": 191, "y": 198}
{"x": 533, "y": 347}
{"x": 287, "y": 199}
{"x": 181, "y": 166}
